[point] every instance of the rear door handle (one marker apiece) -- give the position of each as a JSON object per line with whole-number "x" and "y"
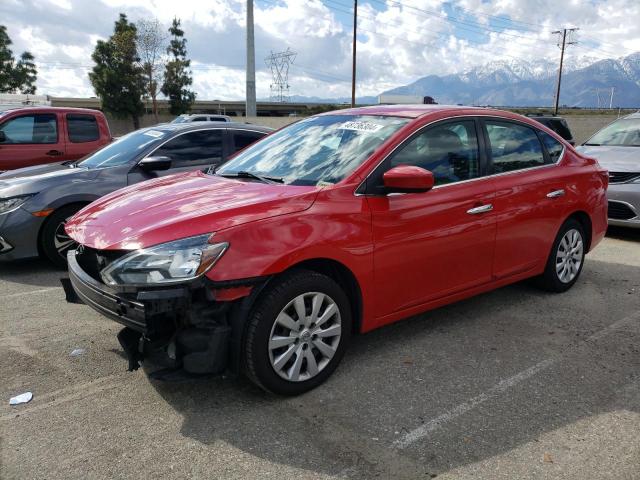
{"x": 54, "y": 153}
{"x": 556, "y": 193}
{"x": 481, "y": 209}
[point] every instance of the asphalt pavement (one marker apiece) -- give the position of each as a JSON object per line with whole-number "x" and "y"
{"x": 515, "y": 383}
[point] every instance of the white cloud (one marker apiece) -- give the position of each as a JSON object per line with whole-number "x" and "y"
{"x": 399, "y": 40}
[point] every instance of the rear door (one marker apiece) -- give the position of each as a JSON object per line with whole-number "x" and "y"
{"x": 243, "y": 138}
{"x": 83, "y": 135}
{"x": 530, "y": 193}
{"x": 31, "y": 139}
{"x": 193, "y": 150}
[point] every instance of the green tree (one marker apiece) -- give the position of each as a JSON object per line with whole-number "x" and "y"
{"x": 117, "y": 77}
{"x": 15, "y": 76}
{"x": 177, "y": 76}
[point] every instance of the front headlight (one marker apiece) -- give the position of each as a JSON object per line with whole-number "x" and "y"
{"x": 11, "y": 203}
{"x": 171, "y": 262}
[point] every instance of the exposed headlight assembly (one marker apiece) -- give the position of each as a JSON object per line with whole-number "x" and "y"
{"x": 167, "y": 263}
{"x": 12, "y": 203}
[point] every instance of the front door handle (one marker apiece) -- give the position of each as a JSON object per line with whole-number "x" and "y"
{"x": 481, "y": 209}
{"x": 556, "y": 193}
{"x": 54, "y": 153}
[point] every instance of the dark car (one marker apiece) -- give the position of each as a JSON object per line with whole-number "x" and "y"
{"x": 555, "y": 123}
{"x": 36, "y": 201}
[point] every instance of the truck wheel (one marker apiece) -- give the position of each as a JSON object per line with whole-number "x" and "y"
{"x": 566, "y": 259}
{"x": 54, "y": 241}
{"x": 297, "y": 333}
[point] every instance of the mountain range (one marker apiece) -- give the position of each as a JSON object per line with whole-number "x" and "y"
{"x": 522, "y": 83}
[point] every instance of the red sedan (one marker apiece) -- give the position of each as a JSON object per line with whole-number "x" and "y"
{"x": 337, "y": 224}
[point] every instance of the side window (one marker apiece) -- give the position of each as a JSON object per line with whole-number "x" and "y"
{"x": 553, "y": 146}
{"x": 199, "y": 119}
{"x": 244, "y": 139}
{"x": 82, "y": 128}
{"x": 39, "y": 128}
{"x": 449, "y": 151}
{"x": 193, "y": 148}
{"x": 513, "y": 147}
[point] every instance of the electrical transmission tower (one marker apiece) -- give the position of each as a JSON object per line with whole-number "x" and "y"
{"x": 279, "y": 64}
{"x": 565, "y": 38}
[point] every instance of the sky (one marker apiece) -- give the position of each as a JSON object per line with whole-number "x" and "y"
{"x": 398, "y": 41}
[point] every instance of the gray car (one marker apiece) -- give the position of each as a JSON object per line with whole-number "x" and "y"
{"x": 617, "y": 148}
{"x": 36, "y": 201}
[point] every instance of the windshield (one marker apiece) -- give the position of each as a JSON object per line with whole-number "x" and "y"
{"x": 623, "y": 133}
{"x": 124, "y": 150}
{"x": 180, "y": 119}
{"x": 319, "y": 150}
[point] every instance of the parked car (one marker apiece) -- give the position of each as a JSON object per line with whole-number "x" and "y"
{"x": 35, "y": 202}
{"x": 200, "y": 117}
{"x": 616, "y": 149}
{"x": 340, "y": 223}
{"x": 555, "y": 123}
{"x": 36, "y": 135}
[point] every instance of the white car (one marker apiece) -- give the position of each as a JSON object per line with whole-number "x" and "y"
{"x": 200, "y": 117}
{"x": 617, "y": 148}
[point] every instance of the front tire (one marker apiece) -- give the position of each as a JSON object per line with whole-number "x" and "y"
{"x": 297, "y": 333}
{"x": 54, "y": 241}
{"x": 566, "y": 259}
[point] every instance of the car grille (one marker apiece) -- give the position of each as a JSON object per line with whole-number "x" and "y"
{"x": 620, "y": 211}
{"x": 94, "y": 261}
{"x": 623, "y": 177}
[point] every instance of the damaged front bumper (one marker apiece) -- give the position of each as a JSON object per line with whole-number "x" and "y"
{"x": 179, "y": 328}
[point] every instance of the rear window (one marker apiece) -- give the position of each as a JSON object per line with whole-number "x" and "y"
{"x": 82, "y": 128}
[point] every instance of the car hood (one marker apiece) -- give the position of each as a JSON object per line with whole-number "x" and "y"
{"x": 35, "y": 179}
{"x": 180, "y": 206}
{"x": 614, "y": 159}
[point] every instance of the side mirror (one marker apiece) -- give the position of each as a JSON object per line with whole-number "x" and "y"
{"x": 3, "y": 137}
{"x": 155, "y": 163}
{"x": 407, "y": 179}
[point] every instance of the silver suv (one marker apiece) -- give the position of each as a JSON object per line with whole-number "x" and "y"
{"x": 200, "y": 117}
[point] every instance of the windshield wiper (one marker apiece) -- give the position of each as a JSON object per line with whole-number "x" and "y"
{"x": 245, "y": 174}
{"x": 592, "y": 144}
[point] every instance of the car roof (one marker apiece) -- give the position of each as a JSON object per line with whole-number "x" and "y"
{"x": 46, "y": 108}
{"x": 634, "y": 115}
{"x": 182, "y": 127}
{"x": 408, "y": 111}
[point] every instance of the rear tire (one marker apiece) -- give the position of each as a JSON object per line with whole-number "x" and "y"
{"x": 297, "y": 333}
{"x": 566, "y": 259}
{"x": 54, "y": 241}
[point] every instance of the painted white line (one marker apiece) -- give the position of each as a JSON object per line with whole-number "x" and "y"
{"x": 435, "y": 423}
{"x": 31, "y": 292}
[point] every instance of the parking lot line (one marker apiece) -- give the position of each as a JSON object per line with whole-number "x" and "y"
{"x": 31, "y": 292}
{"x": 425, "y": 429}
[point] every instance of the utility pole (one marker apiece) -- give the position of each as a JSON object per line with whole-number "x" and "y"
{"x": 353, "y": 65}
{"x": 564, "y": 43}
{"x": 250, "y": 107}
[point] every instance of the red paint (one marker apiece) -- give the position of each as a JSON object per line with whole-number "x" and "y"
{"x": 58, "y": 149}
{"x": 408, "y": 253}
{"x": 404, "y": 178}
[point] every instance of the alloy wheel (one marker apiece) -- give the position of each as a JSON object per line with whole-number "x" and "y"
{"x": 61, "y": 241}
{"x": 569, "y": 256}
{"x": 305, "y": 336}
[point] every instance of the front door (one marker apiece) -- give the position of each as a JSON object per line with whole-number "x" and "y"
{"x": 433, "y": 244}
{"x": 194, "y": 150}
{"x": 31, "y": 139}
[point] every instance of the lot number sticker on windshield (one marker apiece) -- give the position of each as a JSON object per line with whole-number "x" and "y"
{"x": 154, "y": 133}
{"x": 361, "y": 126}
